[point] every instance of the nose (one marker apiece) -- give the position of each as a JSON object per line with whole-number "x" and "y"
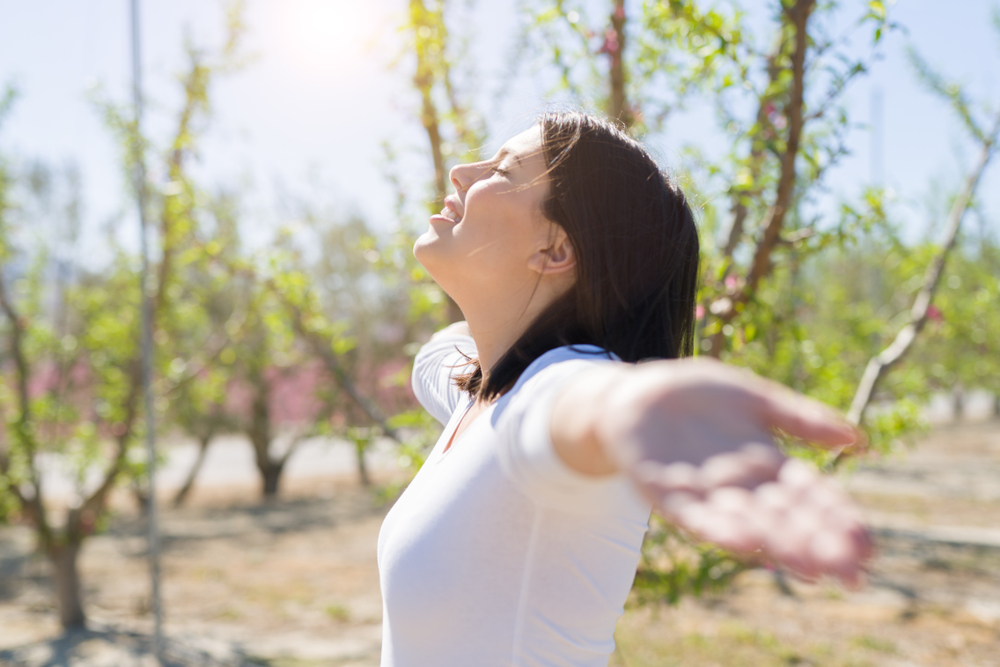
{"x": 464, "y": 175}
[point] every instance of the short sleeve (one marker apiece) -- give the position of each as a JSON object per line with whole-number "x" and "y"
{"x": 435, "y": 365}
{"x": 523, "y": 421}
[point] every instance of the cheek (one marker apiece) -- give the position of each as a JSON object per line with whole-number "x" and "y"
{"x": 493, "y": 242}
{"x": 496, "y": 245}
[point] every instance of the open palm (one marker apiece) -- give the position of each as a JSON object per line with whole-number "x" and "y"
{"x": 698, "y": 438}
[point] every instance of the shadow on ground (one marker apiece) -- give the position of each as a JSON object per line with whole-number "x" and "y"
{"x": 114, "y": 648}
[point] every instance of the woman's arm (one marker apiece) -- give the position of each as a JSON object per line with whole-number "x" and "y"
{"x": 433, "y": 368}
{"x": 696, "y": 436}
{"x": 454, "y": 329}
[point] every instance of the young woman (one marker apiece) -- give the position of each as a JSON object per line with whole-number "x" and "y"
{"x": 569, "y": 253}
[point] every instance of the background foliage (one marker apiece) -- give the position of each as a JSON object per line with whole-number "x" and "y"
{"x": 794, "y": 287}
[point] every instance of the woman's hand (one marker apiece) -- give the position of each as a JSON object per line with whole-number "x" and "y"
{"x": 697, "y": 437}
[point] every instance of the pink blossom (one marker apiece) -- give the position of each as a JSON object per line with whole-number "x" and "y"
{"x": 610, "y": 45}
{"x": 699, "y": 311}
{"x": 933, "y": 313}
{"x": 731, "y": 282}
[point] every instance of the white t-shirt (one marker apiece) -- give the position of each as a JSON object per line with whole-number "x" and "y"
{"x": 498, "y": 554}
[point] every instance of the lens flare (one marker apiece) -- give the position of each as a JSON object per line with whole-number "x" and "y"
{"x": 323, "y": 36}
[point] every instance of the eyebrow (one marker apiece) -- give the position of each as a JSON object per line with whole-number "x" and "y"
{"x": 504, "y": 153}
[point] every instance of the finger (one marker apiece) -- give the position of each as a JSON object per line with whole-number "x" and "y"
{"x": 776, "y": 499}
{"x": 856, "y": 448}
{"x": 789, "y": 543}
{"x": 843, "y": 553}
{"x": 681, "y": 477}
{"x": 807, "y": 419}
{"x": 726, "y": 529}
{"x": 672, "y": 505}
{"x": 666, "y": 486}
{"x": 834, "y": 552}
{"x": 799, "y": 474}
{"x": 737, "y": 528}
{"x": 815, "y": 528}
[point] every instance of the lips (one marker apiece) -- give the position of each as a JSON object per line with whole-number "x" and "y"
{"x": 452, "y": 209}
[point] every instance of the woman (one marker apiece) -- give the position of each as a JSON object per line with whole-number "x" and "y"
{"x": 569, "y": 252}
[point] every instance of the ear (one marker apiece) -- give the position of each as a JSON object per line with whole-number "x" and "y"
{"x": 558, "y": 256}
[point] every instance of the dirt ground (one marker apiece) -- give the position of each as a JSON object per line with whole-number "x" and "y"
{"x": 294, "y": 583}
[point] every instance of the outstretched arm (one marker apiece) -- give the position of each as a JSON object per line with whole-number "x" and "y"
{"x": 454, "y": 329}
{"x": 434, "y": 366}
{"x": 697, "y": 437}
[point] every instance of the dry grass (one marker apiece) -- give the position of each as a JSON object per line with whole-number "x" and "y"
{"x": 755, "y": 625}
{"x": 294, "y": 583}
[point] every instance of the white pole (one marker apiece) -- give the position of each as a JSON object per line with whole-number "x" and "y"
{"x": 147, "y": 337}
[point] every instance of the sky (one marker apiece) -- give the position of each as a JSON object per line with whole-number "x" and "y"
{"x": 309, "y": 111}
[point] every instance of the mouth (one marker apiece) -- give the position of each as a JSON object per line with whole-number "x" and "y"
{"x": 452, "y": 209}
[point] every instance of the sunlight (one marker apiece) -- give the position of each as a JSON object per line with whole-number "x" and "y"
{"x": 323, "y": 36}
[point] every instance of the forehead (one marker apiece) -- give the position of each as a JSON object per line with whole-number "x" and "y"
{"x": 525, "y": 144}
{"x": 526, "y": 149}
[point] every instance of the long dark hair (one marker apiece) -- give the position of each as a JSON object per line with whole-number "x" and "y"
{"x": 636, "y": 253}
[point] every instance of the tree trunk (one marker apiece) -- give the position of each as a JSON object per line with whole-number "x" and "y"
{"x": 618, "y": 103}
{"x": 182, "y": 494}
{"x": 141, "y": 496}
{"x": 270, "y": 477}
{"x": 957, "y": 402}
{"x": 66, "y": 577}
{"x": 727, "y": 308}
{"x": 360, "y": 448}
{"x": 260, "y": 435}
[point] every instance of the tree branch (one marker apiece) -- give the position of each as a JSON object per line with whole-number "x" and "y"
{"x": 774, "y": 218}
{"x": 34, "y": 505}
{"x": 215, "y": 345}
{"x": 322, "y": 348}
{"x": 619, "y": 108}
{"x": 739, "y": 208}
{"x": 430, "y": 117}
{"x": 881, "y": 363}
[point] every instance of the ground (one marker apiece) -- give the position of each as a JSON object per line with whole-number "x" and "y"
{"x": 293, "y": 583}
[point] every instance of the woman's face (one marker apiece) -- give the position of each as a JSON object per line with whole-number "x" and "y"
{"x": 491, "y": 240}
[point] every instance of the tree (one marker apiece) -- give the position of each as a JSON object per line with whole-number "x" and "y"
{"x": 372, "y": 306}
{"x": 271, "y": 361}
{"x": 197, "y": 399}
{"x": 921, "y": 310}
{"x": 961, "y": 347}
{"x": 354, "y": 328}
{"x": 76, "y": 381}
{"x": 453, "y": 131}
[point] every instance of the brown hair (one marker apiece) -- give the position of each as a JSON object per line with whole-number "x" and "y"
{"x": 636, "y": 254}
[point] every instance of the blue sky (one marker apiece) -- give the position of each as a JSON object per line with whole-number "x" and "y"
{"x": 312, "y": 108}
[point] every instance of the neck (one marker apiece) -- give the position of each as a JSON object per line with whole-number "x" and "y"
{"x": 497, "y": 324}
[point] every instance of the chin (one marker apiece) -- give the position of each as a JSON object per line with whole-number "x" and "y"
{"x": 430, "y": 252}
{"x": 422, "y": 246}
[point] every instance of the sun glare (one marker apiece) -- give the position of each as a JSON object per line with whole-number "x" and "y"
{"x": 322, "y": 35}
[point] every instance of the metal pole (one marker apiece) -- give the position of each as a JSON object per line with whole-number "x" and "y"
{"x": 139, "y": 168}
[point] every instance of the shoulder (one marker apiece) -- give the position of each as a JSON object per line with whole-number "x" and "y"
{"x": 522, "y": 418}
{"x": 560, "y": 364}
{"x": 546, "y": 374}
